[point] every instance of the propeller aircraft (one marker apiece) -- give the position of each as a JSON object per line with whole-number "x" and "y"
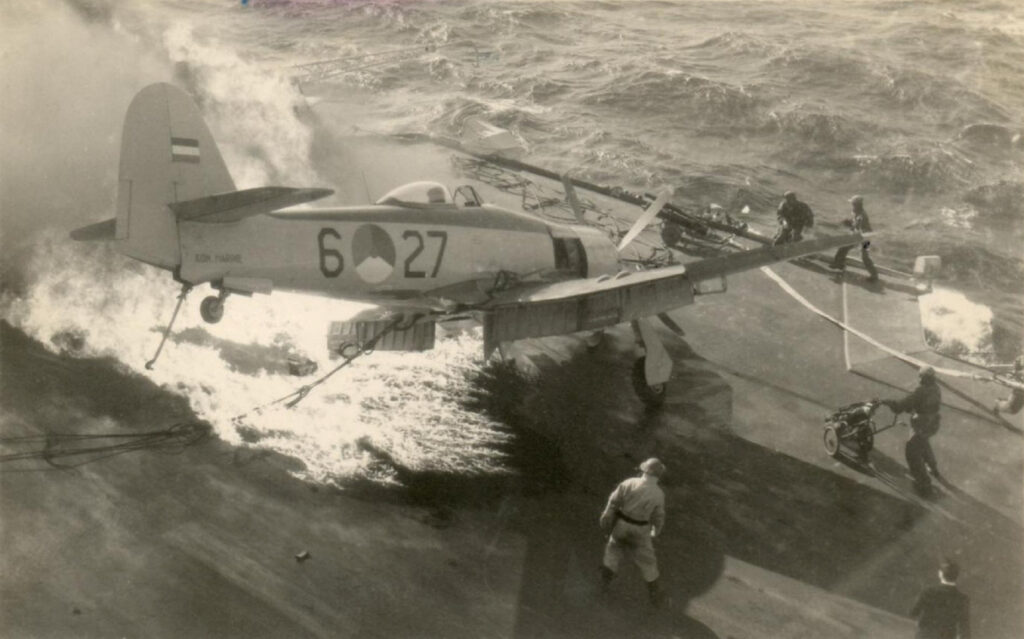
{"x": 421, "y": 254}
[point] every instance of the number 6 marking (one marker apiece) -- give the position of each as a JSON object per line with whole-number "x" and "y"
{"x": 339, "y": 261}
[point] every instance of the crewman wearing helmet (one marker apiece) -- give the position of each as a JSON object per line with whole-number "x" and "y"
{"x": 635, "y": 515}
{"x": 794, "y": 217}
{"x": 923, "y": 405}
{"x": 858, "y": 222}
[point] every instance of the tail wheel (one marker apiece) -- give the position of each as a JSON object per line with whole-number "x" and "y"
{"x": 652, "y": 396}
{"x": 831, "y": 441}
{"x": 212, "y": 309}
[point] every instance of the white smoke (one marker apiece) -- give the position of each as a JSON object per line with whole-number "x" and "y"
{"x": 250, "y": 106}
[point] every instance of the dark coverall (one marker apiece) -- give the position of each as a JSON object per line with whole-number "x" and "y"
{"x": 794, "y": 216}
{"x": 923, "y": 405}
{"x": 942, "y": 612}
{"x": 860, "y": 223}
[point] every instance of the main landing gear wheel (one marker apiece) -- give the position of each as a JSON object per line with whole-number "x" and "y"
{"x": 671, "y": 233}
{"x": 212, "y": 309}
{"x": 594, "y": 341}
{"x": 651, "y": 396}
{"x": 831, "y": 440}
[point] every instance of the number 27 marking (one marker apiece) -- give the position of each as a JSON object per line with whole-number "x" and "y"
{"x": 416, "y": 235}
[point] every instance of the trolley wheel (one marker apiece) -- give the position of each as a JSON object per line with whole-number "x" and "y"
{"x": 651, "y": 396}
{"x": 212, "y": 309}
{"x": 831, "y": 440}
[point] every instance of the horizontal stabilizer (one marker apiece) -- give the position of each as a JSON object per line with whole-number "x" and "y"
{"x": 238, "y": 205}
{"x": 98, "y": 232}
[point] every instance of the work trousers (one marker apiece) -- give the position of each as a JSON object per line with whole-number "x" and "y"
{"x": 634, "y": 540}
{"x": 787, "y": 234}
{"x": 839, "y": 261}
{"x": 920, "y": 458}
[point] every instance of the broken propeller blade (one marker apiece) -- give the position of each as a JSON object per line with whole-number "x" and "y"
{"x": 648, "y": 216}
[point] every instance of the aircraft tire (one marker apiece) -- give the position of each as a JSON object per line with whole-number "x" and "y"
{"x": 651, "y": 396}
{"x": 211, "y": 309}
{"x": 831, "y": 440}
{"x": 671, "y": 233}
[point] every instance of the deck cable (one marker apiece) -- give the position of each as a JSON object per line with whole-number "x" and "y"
{"x": 53, "y": 448}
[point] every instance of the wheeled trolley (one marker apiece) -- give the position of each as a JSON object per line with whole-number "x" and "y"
{"x": 852, "y": 426}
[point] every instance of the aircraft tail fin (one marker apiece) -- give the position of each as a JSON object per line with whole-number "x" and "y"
{"x": 167, "y": 156}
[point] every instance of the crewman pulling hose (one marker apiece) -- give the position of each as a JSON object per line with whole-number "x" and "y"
{"x": 923, "y": 405}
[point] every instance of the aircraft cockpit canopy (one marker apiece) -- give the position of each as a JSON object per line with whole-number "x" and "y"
{"x": 418, "y": 194}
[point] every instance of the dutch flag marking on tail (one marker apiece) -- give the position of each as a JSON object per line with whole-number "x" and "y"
{"x": 184, "y": 150}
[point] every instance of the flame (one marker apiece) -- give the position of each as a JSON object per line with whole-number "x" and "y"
{"x": 407, "y": 404}
{"x": 957, "y": 326}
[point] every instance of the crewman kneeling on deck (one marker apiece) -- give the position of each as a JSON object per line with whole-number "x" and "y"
{"x": 858, "y": 222}
{"x": 1012, "y": 404}
{"x": 794, "y": 217}
{"x": 923, "y": 405}
{"x": 635, "y": 515}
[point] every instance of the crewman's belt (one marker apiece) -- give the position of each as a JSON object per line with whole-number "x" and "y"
{"x": 630, "y": 520}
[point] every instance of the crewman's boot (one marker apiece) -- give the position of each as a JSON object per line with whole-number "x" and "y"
{"x": 655, "y": 592}
{"x": 607, "y": 574}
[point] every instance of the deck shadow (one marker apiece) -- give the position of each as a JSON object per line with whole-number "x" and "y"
{"x": 726, "y": 495}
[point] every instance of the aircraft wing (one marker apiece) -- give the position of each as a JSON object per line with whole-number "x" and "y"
{"x": 588, "y": 304}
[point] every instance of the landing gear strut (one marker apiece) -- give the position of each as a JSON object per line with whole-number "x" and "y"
{"x": 212, "y": 307}
{"x": 185, "y": 288}
{"x": 653, "y": 369}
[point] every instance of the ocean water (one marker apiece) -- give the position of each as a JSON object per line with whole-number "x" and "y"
{"x": 917, "y": 106}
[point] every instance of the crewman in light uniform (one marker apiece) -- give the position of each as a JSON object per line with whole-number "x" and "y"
{"x": 635, "y": 515}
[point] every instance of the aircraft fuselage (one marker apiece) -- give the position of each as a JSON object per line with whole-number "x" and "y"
{"x": 387, "y": 253}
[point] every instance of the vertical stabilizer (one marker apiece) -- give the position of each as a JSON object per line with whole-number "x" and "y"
{"x": 167, "y": 156}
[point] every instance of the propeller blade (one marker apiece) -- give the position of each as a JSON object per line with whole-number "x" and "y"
{"x": 645, "y": 219}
